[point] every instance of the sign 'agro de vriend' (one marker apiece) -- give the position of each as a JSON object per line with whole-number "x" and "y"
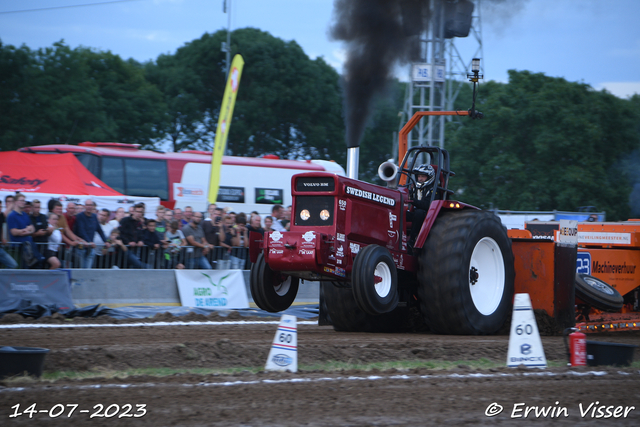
{"x": 213, "y": 289}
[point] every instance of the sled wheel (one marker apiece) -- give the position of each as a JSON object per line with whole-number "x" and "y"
{"x": 374, "y": 280}
{"x": 346, "y": 316}
{"x": 271, "y": 290}
{"x": 597, "y": 293}
{"x": 466, "y": 274}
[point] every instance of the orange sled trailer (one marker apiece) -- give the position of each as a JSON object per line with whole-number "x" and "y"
{"x": 601, "y": 292}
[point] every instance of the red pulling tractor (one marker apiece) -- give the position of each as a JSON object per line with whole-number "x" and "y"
{"x": 352, "y": 236}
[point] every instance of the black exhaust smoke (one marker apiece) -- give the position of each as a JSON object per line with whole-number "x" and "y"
{"x": 379, "y": 34}
{"x": 383, "y": 33}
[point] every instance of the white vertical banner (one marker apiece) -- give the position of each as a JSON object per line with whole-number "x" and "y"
{"x": 214, "y": 289}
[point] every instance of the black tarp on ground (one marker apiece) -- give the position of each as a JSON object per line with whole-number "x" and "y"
{"x": 26, "y": 308}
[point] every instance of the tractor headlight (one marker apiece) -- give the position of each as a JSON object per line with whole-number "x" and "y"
{"x": 305, "y": 215}
{"x": 324, "y": 215}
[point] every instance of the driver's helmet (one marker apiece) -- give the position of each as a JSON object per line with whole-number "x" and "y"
{"x": 427, "y": 170}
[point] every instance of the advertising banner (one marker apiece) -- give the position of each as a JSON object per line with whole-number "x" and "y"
{"x": 224, "y": 123}
{"x": 618, "y": 268}
{"x": 39, "y": 287}
{"x": 214, "y": 289}
{"x": 188, "y": 192}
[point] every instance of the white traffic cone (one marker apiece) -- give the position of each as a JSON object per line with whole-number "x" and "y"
{"x": 525, "y": 346}
{"x": 284, "y": 350}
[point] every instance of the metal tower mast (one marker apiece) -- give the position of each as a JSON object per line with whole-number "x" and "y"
{"x": 434, "y": 83}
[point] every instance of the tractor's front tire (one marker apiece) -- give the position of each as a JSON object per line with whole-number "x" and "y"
{"x": 271, "y": 290}
{"x": 466, "y": 274}
{"x": 346, "y": 316}
{"x": 374, "y": 280}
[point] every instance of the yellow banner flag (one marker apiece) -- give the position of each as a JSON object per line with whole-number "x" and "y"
{"x": 224, "y": 123}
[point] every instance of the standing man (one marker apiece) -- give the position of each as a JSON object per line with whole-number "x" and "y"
{"x": 9, "y": 202}
{"x": 211, "y": 225}
{"x": 20, "y": 231}
{"x": 107, "y": 227}
{"x": 178, "y": 216}
{"x": 87, "y": 226}
{"x": 211, "y": 212}
{"x": 5, "y": 259}
{"x": 118, "y": 215}
{"x": 161, "y": 225}
{"x": 195, "y": 237}
{"x": 255, "y": 224}
{"x": 268, "y": 222}
{"x": 168, "y": 217}
{"x": 277, "y": 212}
{"x": 188, "y": 214}
{"x": 70, "y": 215}
{"x": 131, "y": 230}
{"x": 41, "y": 225}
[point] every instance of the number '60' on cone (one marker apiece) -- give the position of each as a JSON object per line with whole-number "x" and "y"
{"x": 284, "y": 350}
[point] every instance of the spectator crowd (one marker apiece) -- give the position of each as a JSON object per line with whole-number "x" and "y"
{"x": 87, "y": 236}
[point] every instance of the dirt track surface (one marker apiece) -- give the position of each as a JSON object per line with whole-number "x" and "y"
{"x": 413, "y": 397}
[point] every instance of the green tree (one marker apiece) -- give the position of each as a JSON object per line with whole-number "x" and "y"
{"x": 61, "y": 95}
{"x": 287, "y": 104}
{"x": 133, "y": 106}
{"x": 180, "y": 86}
{"x": 545, "y": 144}
{"x": 17, "y": 66}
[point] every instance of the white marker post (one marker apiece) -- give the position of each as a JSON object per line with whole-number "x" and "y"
{"x": 284, "y": 350}
{"x": 525, "y": 346}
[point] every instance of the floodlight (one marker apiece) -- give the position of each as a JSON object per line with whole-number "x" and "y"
{"x": 475, "y": 65}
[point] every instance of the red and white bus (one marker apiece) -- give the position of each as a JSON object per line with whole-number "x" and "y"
{"x": 182, "y": 179}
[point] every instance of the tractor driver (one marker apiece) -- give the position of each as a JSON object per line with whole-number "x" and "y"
{"x": 420, "y": 195}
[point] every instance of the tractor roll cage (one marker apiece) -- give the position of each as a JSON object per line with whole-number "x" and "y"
{"x": 440, "y": 162}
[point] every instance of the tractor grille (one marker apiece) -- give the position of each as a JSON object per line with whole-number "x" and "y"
{"x": 318, "y": 210}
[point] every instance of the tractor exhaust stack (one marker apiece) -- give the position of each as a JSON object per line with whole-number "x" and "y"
{"x": 353, "y": 159}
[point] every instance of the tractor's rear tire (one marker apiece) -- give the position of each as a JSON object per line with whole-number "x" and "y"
{"x": 374, "y": 280}
{"x": 597, "y": 293}
{"x": 346, "y": 316}
{"x": 466, "y": 274}
{"x": 271, "y": 290}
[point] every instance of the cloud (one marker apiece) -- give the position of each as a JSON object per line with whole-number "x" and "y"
{"x": 620, "y": 89}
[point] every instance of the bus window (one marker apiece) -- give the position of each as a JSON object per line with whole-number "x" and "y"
{"x": 113, "y": 173}
{"x": 269, "y": 196}
{"x": 147, "y": 178}
{"x": 91, "y": 162}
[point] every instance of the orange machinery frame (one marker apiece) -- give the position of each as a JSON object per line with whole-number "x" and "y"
{"x": 404, "y": 132}
{"x": 546, "y": 271}
{"x": 613, "y": 250}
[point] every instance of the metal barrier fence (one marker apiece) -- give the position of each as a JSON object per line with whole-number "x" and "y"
{"x": 134, "y": 257}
